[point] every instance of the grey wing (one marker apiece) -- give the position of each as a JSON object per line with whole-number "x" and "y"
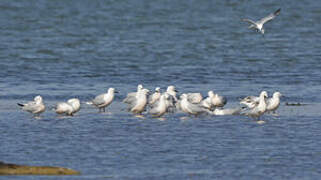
{"x": 246, "y": 111}
{"x": 269, "y": 17}
{"x": 152, "y": 99}
{"x": 99, "y": 100}
{"x": 31, "y": 107}
{"x": 130, "y": 97}
{"x": 251, "y": 99}
{"x": 194, "y": 98}
{"x": 155, "y": 104}
{"x": 129, "y": 100}
{"x": 249, "y": 21}
{"x": 132, "y": 104}
{"x": 195, "y": 108}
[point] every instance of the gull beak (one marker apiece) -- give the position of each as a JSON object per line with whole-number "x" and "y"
{"x": 116, "y": 91}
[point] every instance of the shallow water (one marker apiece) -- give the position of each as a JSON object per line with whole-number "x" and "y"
{"x": 62, "y": 49}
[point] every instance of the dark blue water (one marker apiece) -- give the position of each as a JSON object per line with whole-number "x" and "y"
{"x": 65, "y": 49}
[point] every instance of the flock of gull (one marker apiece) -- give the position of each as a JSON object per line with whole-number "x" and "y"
{"x": 157, "y": 104}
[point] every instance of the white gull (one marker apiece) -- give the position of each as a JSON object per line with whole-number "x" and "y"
{"x": 258, "y": 25}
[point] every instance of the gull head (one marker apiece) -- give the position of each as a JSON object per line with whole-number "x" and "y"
{"x": 112, "y": 90}
{"x": 264, "y": 94}
{"x": 157, "y": 89}
{"x": 171, "y": 89}
{"x": 38, "y": 99}
{"x": 210, "y": 94}
{"x": 277, "y": 94}
{"x": 139, "y": 87}
{"x": 145, "y": 91}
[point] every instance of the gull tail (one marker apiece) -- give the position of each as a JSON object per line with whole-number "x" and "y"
{"x": 19, "y": 104}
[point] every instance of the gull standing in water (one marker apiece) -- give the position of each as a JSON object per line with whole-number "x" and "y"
{"x": 274, "y": 102}
{"x": 171, "y": 90}
{"x": 159, "y": 109}
{"x": 35, "y": 107}
{"x": 260, "y": 109}
{"x": 154, "y": 97}
{"x": 190, "y": 108}
{"x": 69, "y": 108}
{"x": 130, "y": 96}
{"x": 138, "y": 103}
{"x": 258, "y": 25}
{"x": 171, "y": 100}
{"x": 103, "y": 100}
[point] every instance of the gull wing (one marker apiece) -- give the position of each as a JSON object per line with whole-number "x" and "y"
{"x": 195, "y": 108}
{"x": 269, "y": 17}
{"x": 194, "y": 98}
{"x": 31, "y": 107}
{"x": 99, "y": 100}
{"x": 249, "y": 21}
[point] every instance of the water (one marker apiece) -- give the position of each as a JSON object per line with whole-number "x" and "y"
{"x": 61, "y": 49}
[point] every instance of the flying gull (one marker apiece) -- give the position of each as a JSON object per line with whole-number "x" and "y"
{"x": 258, "y": 25}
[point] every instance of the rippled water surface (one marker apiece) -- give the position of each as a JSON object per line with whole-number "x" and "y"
{"x": 65, "y": 49}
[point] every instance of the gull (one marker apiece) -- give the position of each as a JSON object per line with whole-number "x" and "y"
{"x": 171, "y": 90}
{"x": 103, "y": 100}
{"x": 138, "y": 103}
{"x": 190, "y": 108}
{"x": 132, "y": 95}
{"x": 154, "y": 97}
{"x": 258, "y": 110}
{"x": 159, "y": 109}
{"x": 194, "y": 98}
{"x": 69, "y": 108}
{"x": 258, "y": 25}
{"x": 171, "y": 100}
{"x": 35, "y": 107}
{"x": 274, "y": 102}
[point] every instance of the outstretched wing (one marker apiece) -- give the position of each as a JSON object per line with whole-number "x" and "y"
{"x": 269, "y": 17}
{"x": 249, "y": 21}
